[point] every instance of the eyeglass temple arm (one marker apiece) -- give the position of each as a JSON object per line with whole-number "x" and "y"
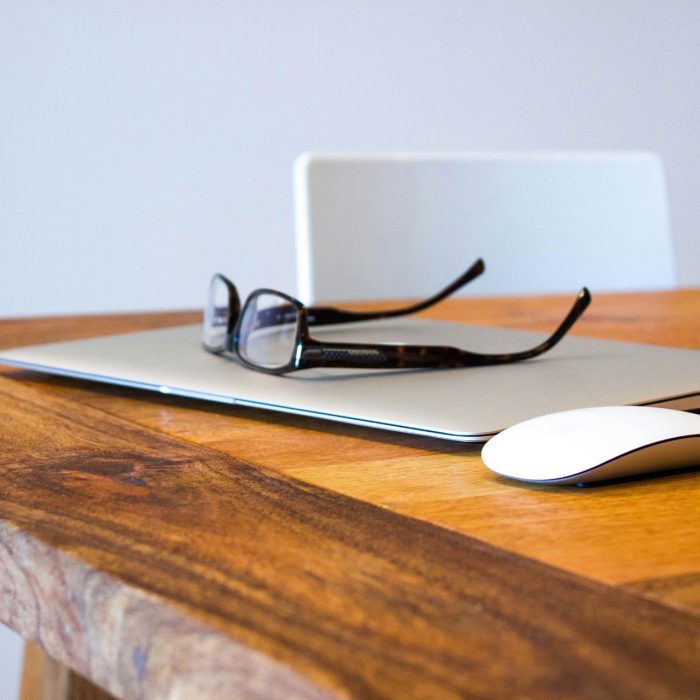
{"x": 413, "y": 356}
{"x": 325, "y": 315}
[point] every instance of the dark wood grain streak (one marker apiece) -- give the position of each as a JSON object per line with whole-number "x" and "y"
{"x": 124, "y": 550}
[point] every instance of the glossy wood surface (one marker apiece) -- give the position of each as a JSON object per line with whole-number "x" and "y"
{"x": 161, "y": 546}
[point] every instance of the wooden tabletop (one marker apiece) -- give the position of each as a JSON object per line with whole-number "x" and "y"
{"x": 169, "y": 548}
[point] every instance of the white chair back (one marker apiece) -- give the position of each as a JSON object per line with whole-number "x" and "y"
{"x": 398, "y": 226}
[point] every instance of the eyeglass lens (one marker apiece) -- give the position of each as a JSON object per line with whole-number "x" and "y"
{"x": 267, "y": 335}
{"x": 216, "y": 311}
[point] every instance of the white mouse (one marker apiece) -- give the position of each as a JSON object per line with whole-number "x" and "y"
{"x": 594, "y": 444}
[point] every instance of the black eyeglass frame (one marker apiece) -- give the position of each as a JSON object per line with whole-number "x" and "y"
{"x": 310, "y": 352}
{"x": 327, "y": 315}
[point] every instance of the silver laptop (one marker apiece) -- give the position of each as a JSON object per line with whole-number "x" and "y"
{"x": 468, "y": 405}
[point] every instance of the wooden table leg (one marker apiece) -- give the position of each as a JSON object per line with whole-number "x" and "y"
{"x": 46, "y": 679}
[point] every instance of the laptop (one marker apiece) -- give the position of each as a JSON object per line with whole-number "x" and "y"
{"x": 465, "y": 404}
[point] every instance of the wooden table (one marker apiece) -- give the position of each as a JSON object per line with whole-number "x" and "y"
{"x": 169, "y": 548}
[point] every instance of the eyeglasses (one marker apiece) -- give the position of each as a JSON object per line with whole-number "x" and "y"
{"x": 270, "y": 333}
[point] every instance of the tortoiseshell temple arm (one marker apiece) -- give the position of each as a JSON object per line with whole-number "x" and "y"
{"x": 321, "y": 354}
{"x": 326, "y": 315}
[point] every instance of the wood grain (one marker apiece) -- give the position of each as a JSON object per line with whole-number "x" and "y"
{"x": 169, "y": 548}
{"x": 111, "y": 523}
{"x": 682, "y": 591}
{"x": 616, "y": 533}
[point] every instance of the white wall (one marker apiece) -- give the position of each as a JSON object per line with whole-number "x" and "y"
{"x": 10, "y": 660}
{"x": 145, "y": 145}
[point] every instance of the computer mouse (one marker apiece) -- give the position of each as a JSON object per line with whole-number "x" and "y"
{"x": 595, "y": 444}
